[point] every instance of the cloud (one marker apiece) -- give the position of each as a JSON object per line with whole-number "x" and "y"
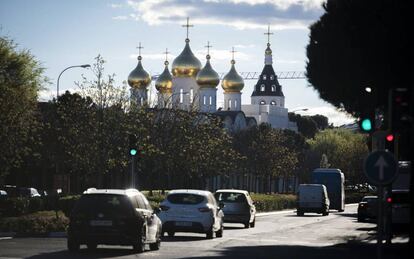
{"x": 116, "y": 5}
{"x": 241, "y": 14}
{"x": 120, "y": 17}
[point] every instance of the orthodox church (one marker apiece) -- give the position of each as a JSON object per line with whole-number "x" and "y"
{"x": 193, "y": 87}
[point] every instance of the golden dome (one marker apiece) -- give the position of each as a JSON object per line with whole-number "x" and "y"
{"x": 186, "y": 64}
{"x": 232, "y": 81}
{"x": 164, "y": 81}
{"x": 207, "y": 77}
{"x": 268, "y": 50}
{"x": 139, "y": 78}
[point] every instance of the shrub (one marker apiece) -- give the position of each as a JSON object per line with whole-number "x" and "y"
{"x": 14, "y": 206}
{"x": 67, "y": 203}
{"x": 36, "y": 223}
{"x": 271, "y": 202}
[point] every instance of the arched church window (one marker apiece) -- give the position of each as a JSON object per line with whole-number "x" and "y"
{"x": 272, "y": 103}
{"x": 264, "y": 77}
{"x": 235, "y": 104}
{"x": 273, "y": 88}
{"x": 229, "y": 104}
{"x": 181, "y": 95}
{"x": 191, "y": 95}
{"x": 262, "y": 102}
{"x": 272, "y": 77}
{"x": 262, "y": 88}
{"x": 211, "y": 100}
{"x": 204, "y": 100}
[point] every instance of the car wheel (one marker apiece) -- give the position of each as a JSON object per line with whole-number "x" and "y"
{"x": 220, "y": 232}
{"x": 91, "y": 246}
{"x": 246, "y": 224}
{"x": 210, "y": 233}
{"x": 157, "y": 244}
{"x": 300, "y": 213}
{"x": 73, "y": 246}
{"x": 253, "y": 223}
{"x": 171, "y": 233}
{"x": 139, "y": 245}
{"x": 360, "y": 219}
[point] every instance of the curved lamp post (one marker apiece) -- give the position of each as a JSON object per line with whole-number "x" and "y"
{"x": 57, "y": 85}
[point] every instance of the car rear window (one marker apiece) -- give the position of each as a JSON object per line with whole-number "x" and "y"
{"x": 230, "y": 197}
{"x": 109, "y": 204}
{"x": 185, "y": 198}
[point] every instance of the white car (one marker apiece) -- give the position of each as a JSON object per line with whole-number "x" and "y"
{"x": 191, "y": 211}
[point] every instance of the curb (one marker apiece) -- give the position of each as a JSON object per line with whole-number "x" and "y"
{"x": 260, "y": 214}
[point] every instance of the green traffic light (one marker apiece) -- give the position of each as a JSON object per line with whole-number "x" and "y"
{"x": 366, "y": 125}
{"x": 133, "y": 151}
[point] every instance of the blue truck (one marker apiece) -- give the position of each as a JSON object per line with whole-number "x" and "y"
{"x": 333, "y": 179}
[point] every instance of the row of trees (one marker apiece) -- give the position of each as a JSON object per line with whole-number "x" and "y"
{"x": 85, "y": 135}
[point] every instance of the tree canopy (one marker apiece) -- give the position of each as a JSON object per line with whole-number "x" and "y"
{"x": 20, "y": 80}
{"x": 357, "y": 44}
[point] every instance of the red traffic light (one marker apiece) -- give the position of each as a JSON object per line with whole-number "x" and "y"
{"x": 389, "y": 137}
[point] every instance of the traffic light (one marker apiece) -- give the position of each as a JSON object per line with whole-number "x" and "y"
{"x": 133, "y": 150}
{"x": 389, "y": 142}
{"x": 400, "y": 109}
{"x": 367, "y": 122}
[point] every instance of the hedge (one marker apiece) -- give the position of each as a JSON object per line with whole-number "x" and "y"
{"x": 271, "y": 202}
{"x": 40, "y": 222}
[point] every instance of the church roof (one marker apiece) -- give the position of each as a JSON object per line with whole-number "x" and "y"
{"x": 268, "y": 79}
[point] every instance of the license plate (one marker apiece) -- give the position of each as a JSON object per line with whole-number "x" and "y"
{"x": 101, "y": 223}
{"x": 183, "y": 224}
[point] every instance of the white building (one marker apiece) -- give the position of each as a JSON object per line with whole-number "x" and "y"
{"x": 267, "y": 100}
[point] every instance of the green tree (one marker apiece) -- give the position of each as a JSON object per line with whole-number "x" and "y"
{"x": 344, "y": 149}
{"x": 358, "y": 44}
{"x": 306, "y": 125}
{"x": 20, "y": 80}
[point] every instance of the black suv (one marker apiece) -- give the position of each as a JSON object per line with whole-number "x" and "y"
{"x": 113, "y": 217}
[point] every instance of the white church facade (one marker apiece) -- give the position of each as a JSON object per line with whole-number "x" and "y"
{"x": 193, "y": 87}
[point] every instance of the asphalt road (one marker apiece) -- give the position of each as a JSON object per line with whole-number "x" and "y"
{"x": 279, "y": 235}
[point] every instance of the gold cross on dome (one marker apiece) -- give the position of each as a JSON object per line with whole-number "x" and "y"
{"x": 139, "y": 49}
{"x": 232, "y": 53}
{"x": 166, "y": 54}
{"x": 188, "y": 25}
{"x": 268, "y": 33}
{"x": 208, "y": 46}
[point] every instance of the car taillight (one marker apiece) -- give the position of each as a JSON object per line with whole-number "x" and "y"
{"x": 389, "y": 200}
{"x": 204, "y": 209}
{"x": 164, "y": 208}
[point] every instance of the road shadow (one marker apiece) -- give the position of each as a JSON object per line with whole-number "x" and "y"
{"x": 233, "y": 227}
{"x": 85, "y": 253}
{"x": 179, "y": 238}
{"x": 341, "y": 251}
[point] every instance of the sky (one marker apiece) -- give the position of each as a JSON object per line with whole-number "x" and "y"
{"x": 62, "y": 33}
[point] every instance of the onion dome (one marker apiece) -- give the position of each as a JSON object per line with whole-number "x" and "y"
{"x": 139, "y": 78}
{"x": 186, "y": 64}
{"x": 268, "y": 51}
{"x": 164, "y": 81}
{"x": 232, "y": 81}
{"x": 207, "y": 77}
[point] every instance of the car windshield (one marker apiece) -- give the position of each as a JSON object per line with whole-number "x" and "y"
{"x": 230, "y": 197}
{"x": 103, "y": 203}
{"x": 185, "y": 198}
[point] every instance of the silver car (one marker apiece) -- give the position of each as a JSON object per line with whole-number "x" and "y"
{"x": 238, "y": 206}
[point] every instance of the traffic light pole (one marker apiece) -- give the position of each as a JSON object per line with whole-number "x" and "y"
{"x": 132, "y": 171}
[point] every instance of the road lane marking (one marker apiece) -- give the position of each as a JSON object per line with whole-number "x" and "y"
{"x": 5, "y": 238}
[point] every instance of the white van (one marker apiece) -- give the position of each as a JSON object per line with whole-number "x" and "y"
{"x": 312, "y": 198}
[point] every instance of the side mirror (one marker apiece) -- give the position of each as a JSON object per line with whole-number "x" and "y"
{"x": 221, "y": 205}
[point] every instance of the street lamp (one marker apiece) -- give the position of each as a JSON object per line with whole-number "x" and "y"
{"x": 57, "y": 85}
